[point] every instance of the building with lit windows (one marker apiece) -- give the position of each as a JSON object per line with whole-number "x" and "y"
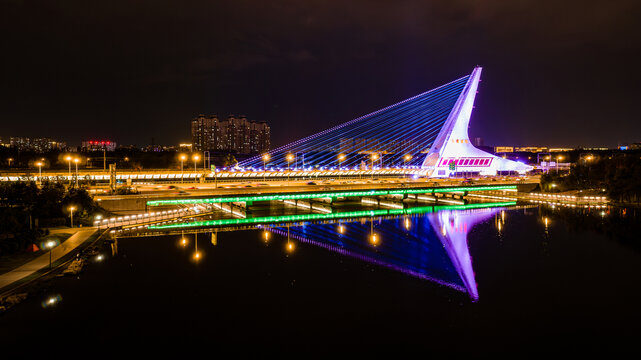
{"x": 36, "y": 144}
{"x": 98, "y": 145}
{"x": 233, "y": 134}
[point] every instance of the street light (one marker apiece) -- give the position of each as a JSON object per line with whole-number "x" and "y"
{"x": 289, "y": 158}
{"x": 407, "y": 158}
{"x": 183, "y": 157}
{"x": 266, "y": 158}
{"x": 10, "y": 160}
{"x": 76, "y": 160}
{"x": 374, "y": 158}
{"x": 341, "y": 158}
{"x": 68, "y": 158}
{"x": 196, "y": 157}
{"x": 558, "y": 158}
{"x": 50, "y": 245}
{"x": 39, "y": 165}
{"x": 71, "y": 209}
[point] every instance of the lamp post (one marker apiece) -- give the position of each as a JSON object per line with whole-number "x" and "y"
{"x": 587, "y": 158}
{"x": 76, "y": 160}
{"x": 68, "y": 158}
{"x": 71, "y": 209}
{"x": 183, "y": 157}
{"x": 289, "y": 158}
{"x": 406, "y": 158}
{"x": 558, "y": 158}
{"x": 341, "y": 157}
{"x": 39, "y": 165}
{"x": 215, "y": 171}
{"x": 196, "y": 157}
{"x": 50, "y": 245}
{"x": 266, "y": 158}
{"x": 374, "y": 158}
{"x": 10, "y": 160}
{"x": 548, "y": 158}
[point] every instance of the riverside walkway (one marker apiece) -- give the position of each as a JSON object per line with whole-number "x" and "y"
{"x": 42, "y": 261}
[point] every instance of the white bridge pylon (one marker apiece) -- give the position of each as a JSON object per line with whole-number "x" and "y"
{"x": 452, "y": 145}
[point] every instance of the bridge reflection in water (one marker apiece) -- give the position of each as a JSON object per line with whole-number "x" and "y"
{"x": 429, "y": 243}
{"x": 430, "y": 246}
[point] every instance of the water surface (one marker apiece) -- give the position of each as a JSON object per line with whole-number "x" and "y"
{"x": 498, "y": 279}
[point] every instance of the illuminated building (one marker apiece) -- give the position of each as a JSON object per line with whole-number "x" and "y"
{"x": 234, "y": 134}
{"x": 532, "y": 149}
{"x": 36, "y": 144}
{"x": 503, "y": 149}
{"x": 452, "y": 153}
{"x": 98, "y": 145}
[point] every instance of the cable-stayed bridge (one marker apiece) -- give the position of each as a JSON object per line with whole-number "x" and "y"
{"x": 428, "y": 131}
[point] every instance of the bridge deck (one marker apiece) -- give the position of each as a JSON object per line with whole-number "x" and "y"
{"x": 289, "y": 193}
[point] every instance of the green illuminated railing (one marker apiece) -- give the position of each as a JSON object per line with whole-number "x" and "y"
{"x": 332, "y": 194}
{"x": 340, "y": 215}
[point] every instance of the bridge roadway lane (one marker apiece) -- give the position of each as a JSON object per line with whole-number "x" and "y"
{"x": 207, "y": 189}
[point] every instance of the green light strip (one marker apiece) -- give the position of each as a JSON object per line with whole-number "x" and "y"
{"x": 347, "y": 214}
{"x": 301, "y": 196}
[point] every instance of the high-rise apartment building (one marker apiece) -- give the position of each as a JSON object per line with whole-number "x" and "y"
{"x": 36, "y": 144}
{"x": 234, "y": 134}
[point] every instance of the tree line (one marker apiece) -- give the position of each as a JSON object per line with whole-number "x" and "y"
{"x": 27, "y": 209}
{"x": 619, "y": 176}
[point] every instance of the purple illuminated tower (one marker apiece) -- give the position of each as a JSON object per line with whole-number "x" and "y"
{"x": 452, "y": 152}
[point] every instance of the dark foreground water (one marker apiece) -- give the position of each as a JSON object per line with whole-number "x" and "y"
{"x": 455, "y": 281}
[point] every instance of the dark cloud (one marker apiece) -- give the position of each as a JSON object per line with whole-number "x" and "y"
{"x": 554, "y": 71}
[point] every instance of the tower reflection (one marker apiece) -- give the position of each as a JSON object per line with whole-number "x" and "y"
{"x": 433, "y": 248}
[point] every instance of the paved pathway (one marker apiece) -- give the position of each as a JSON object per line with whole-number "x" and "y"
{"x": 42, "y": 261}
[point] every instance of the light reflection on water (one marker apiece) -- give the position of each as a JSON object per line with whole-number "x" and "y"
{"x": 430, "y": 246}
{"x": 531, "y": 266}
{"x": 429, "y": 243}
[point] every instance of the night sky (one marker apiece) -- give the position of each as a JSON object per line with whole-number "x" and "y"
{"x": 555, "y": 73}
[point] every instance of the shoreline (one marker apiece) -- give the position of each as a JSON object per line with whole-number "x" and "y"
{"x": 22, "y": 277}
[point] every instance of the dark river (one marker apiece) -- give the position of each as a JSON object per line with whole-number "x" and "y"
{"x": 517, "y": 279}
